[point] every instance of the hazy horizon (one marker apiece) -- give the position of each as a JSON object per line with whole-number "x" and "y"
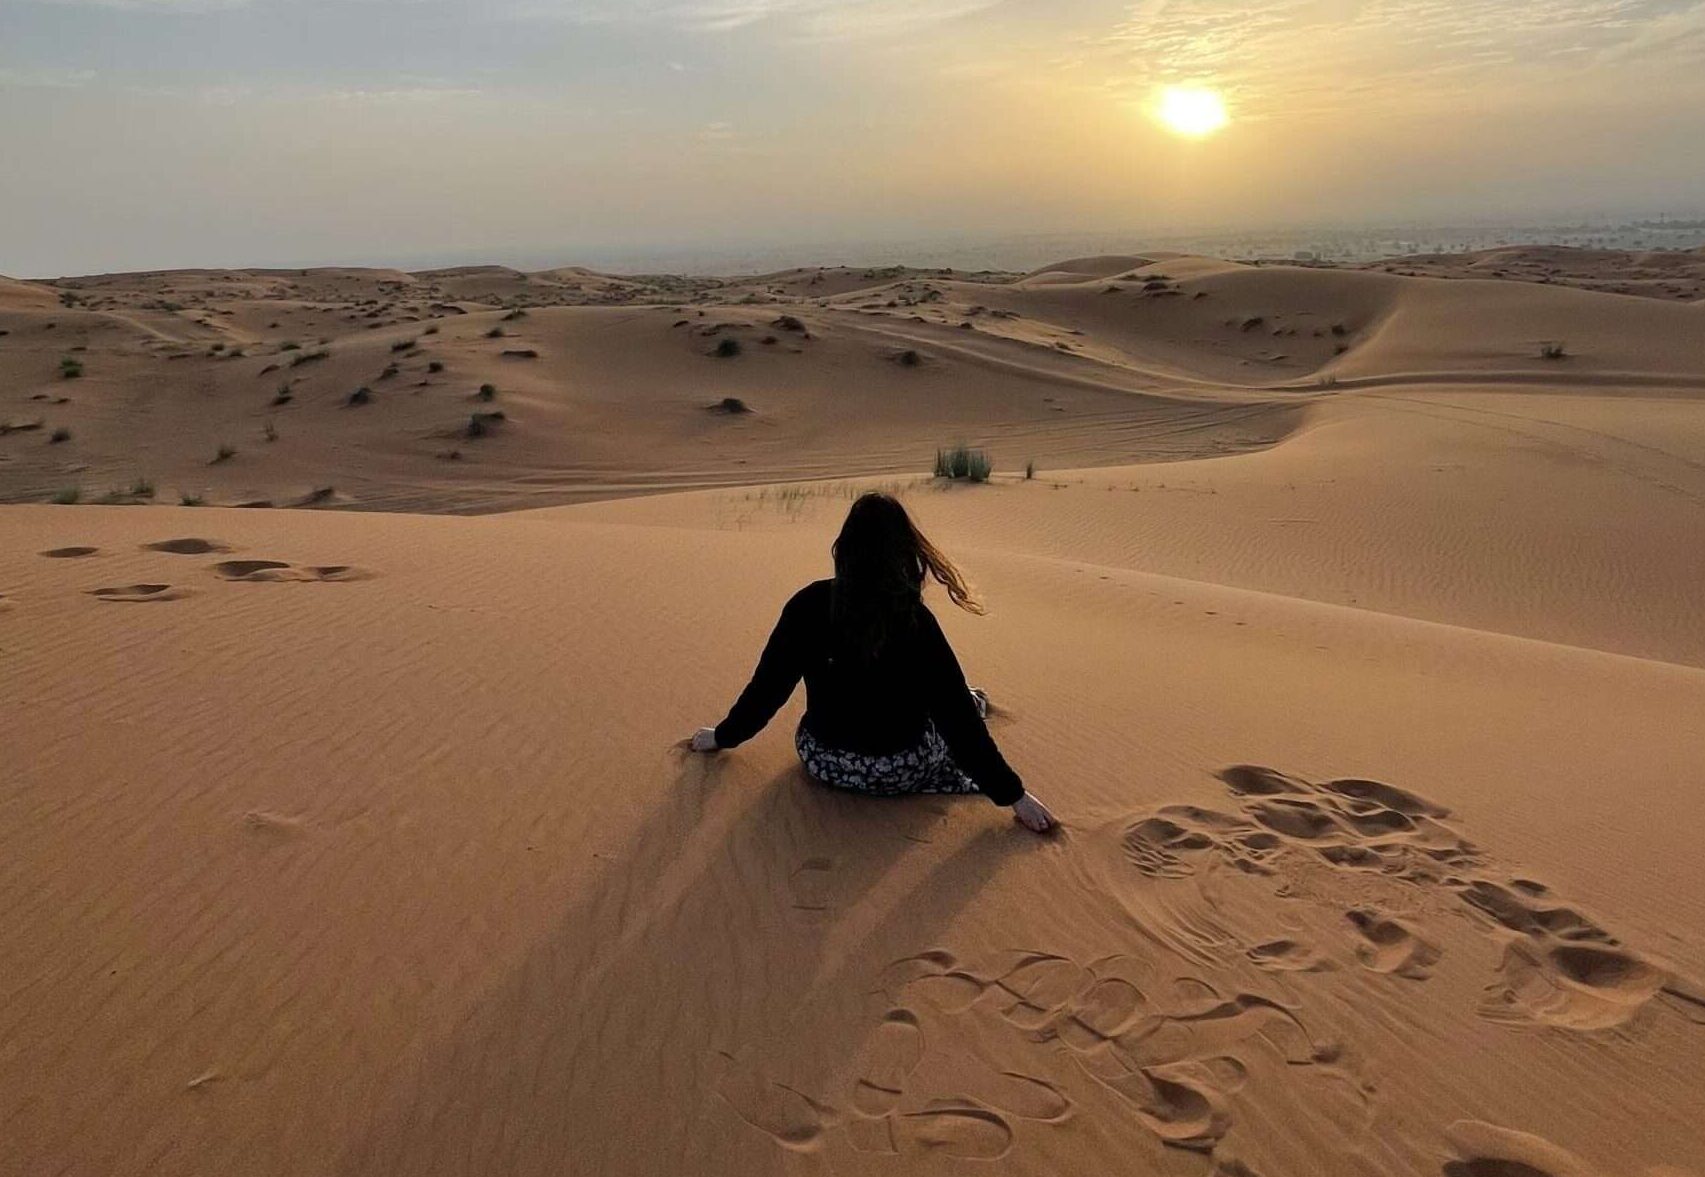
{"x": 148, "y": 134}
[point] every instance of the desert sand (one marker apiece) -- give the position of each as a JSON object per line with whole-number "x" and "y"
{"x": 1356, "y": 641}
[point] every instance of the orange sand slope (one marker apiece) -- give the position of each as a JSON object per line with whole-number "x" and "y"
{"x": 358, "y": 844}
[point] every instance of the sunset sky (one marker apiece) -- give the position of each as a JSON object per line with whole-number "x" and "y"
{"x": 142, "y": 133}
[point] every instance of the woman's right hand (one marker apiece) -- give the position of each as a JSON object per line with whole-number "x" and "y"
{"x": 703, "y": 740}
{"x": 1030, "y": 813}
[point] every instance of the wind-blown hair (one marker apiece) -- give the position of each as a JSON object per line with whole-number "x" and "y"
{"x": 881, "y": 563}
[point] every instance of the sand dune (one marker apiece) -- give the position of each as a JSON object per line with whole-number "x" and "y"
{"x": 1677, "y": 274}
{"x": 356, "y": 842}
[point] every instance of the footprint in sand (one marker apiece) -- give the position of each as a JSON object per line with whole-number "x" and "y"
{"x": 892, "y": 1055}
{"x": 1287, "y": 956}
{"x": 140, "y": 592}
{"x": 788, "y": 1116}
{"x": 1486, "y": 1150}
{"x": 278, "y": 570}
{"x": 1578, "y": 986}
{"x": 1391, "y": 946}
{"x": 188, "y": 546}
{"x": 811, "y": 883}
{"x": 72, "y": 553}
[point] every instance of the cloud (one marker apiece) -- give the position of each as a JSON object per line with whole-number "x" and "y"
{"x": 1313, "y": 54}
{"x": 44, "y": 79}
{"x": 811, "y": 19}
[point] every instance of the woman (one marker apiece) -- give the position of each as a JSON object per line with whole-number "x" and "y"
{"x": 887, "y": 709}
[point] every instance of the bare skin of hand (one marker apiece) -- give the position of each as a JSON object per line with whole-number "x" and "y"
{"x": 1030, "y": 813}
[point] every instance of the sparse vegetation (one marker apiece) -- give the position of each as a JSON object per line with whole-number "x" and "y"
{"x": 487, "y": 392}
{"x": 517, "y": 313}
{"x": 225, "y": 454}
{"x": 1252, "y": 322}
{"x": 481, "y": 424}
{"x": 361, "y": 396}
{"x": 521, "y": 353}
{"x": 283, "y": 396}
{"x": 961, "y": 463}
{"x": 142, "y": 488}
{"x": 68, "y": 495}
{"x": 307, "y": 357}
{"x": 270, "y": 432}
{"x": 732, "y": 405}
{"x": 290, "y": 345}
{"x": 390, "y": 371}
{"x": 910, "y": 358}
{"x": 1030, "y": 469}
{"x": 59, "y": 435}
{"x": 404, "y": 344}
{"x": 789, "y": 323}
{"x": 187, "y": 499}
{"x": 727, "y": 349}
{"x": 430, "y": 331}
{"x": 495, "y": 333}
{"x": 435, "y": 366}
{"x": 1552, "y": 349}
{"x": 70, "y": 368}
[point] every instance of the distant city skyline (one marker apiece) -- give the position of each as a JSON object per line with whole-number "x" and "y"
{"x": 146, "y": 134}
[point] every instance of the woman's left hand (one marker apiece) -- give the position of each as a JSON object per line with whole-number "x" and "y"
{"x": 703, "y": 740}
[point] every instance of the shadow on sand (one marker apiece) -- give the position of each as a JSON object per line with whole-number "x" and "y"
{"x": 740, "y": 927}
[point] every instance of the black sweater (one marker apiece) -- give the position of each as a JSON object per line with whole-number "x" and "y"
{"x": 876, "y": 707}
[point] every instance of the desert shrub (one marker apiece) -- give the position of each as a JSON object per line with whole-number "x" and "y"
{"x": 361, "y": 396}
{"x": 1552, "y": 349}
{"x": 186, "y": 499}
{"x": 732, "y": 404}
{"x": 225, "y": 454}
{"x": 962, "y": 463}
{"x": 404, "y": 344}
{"x": 788, "y": 323}
{"x": 481, "y": 424}
{"x": 68, "y": 495}
{"x": 390, "y": 371}
{"x": 727, "y": 349}
{"x": 517, "y": 313}
{"x": 1030, "y": 469}
{"x": 487, "y": 392}
{"x": 142, "y": 488}
{"x": 59, "y": 435}
{"x": 283, "y": 396}
{"x": 909, "y": 358}
{"x": 521, "y": 353}
{"x": 307, "y": 357}
{"x": 290, "y": 345}
{"x": 430, "y": 331}
{"x": 1252, "y": 322}
{"x": 435, "y": 366}
{"x": 495, "y": 333}
{"x": 270, "y": 431}
{"x": 70, "y": 368}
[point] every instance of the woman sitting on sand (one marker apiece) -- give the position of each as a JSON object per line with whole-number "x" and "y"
{"x": 887, "y": 709}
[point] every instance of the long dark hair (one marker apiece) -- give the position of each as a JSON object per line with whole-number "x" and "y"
{"x": 881, "y": 562}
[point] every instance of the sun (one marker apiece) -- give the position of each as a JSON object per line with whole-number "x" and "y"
{"x": 1191, "y": 111}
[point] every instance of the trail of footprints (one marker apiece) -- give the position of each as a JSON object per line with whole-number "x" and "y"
{"x": 1176, "y": 1050}
{"x": 1168, "y": 1050}
{"x": 1559, "y": 966}
{"x": 229, "y": 570}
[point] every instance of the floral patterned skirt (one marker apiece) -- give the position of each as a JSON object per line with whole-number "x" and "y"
{"x": 927, "y": 767}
